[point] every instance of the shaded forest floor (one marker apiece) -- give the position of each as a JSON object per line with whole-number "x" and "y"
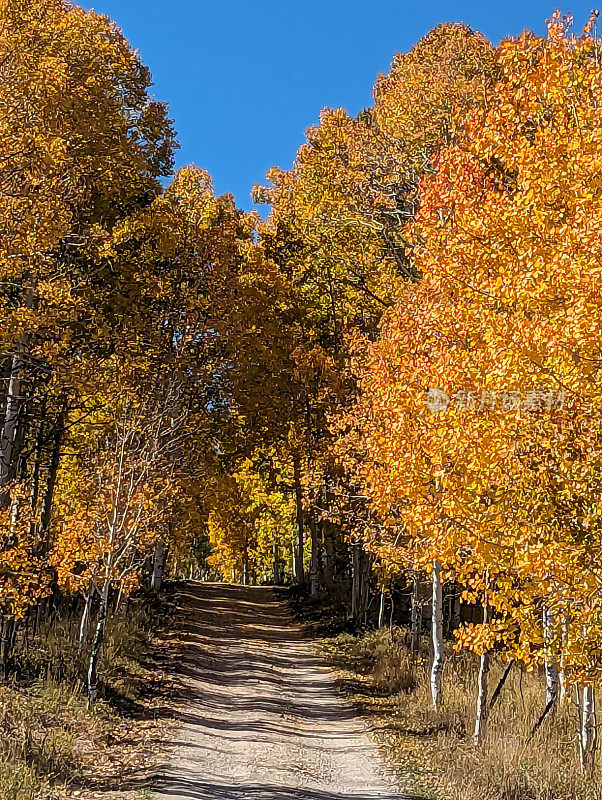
{"x": 52, "y": 747}
{"x": 433, "y": 753}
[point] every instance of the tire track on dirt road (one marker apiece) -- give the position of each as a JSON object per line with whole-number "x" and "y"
{"x": 266, "y": 721}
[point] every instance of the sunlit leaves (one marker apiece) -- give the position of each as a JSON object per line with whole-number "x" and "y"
{"x": 507, "y": 242}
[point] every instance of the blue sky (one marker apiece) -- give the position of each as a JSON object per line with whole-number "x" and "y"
{"x": 245, "y": 78}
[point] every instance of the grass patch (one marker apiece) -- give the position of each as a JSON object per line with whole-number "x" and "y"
{"x": 51, "y": 745}
{"x": 433, "y": 753}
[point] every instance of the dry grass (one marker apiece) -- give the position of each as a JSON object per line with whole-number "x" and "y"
{"x": 51, "y": 746}
{"x": 434, "y": 753}
{"x": 40, "y": 730}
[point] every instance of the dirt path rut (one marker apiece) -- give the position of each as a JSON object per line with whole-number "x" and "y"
{"x": 265, "y": 720}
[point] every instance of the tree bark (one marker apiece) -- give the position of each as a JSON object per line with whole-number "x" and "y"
{"x": 437, "y": 635}
{"x": 83, "y": 626}
{"x": 52, "y": 474}
{"x": 8, "y": 625}
{"x": 480, "y": 725}
{"x": 456, "y": 609}
{"x": 541, "y": 719}
{"x": 550, "y": 664}
{"x": 500, "y": 686}
{"x": 35, "y": 477}
{"x": 381, "y": 608}
{"x": 365, "y": 588}
{"x": 356, "y": 579}
{"x": 298, "y": 547}
{"x": 158, "y": 565}
{"x": 119, "y": 600}
{"x": 14, "y": 402}
{"x": 415, "y": 618}
{"x": 314, "y": 570}
{"x": 562, "y": 672}
{"x": 328, "y": 558}
{"x": 562, "y": 693}
{"x": 588, "y": 730}
{"x": 276, "y": 563}
{"x": 97, "y": 644}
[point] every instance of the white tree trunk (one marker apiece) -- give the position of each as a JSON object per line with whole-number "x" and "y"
{"x": 480, "y": 724}
{"x": 437, "y": 633}
{"x": 587, "y": 729}
{"x": 550, "y": 664}
{"x": 14, "y": 516}
{"x": 381, "y": 609}
{"x": 298, "y": 547}
{"x": 562, "y": 671}
{"x": 119, "y": 600}
{"x": 83, "y": 626}
{"x": 276, "y": 563}
{"x": 97, "y": 643}
{"x": 562, "y": 693}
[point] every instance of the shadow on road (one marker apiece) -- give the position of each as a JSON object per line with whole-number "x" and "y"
{"x": 254, "y": 700}
{"x": 198, "y": 790}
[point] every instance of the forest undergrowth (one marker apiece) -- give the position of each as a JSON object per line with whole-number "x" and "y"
{"x": 51, "y": 745}
{"x": 433, "y": 752}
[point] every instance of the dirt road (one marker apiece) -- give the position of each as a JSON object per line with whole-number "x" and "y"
{"x": 265, "y": 720}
